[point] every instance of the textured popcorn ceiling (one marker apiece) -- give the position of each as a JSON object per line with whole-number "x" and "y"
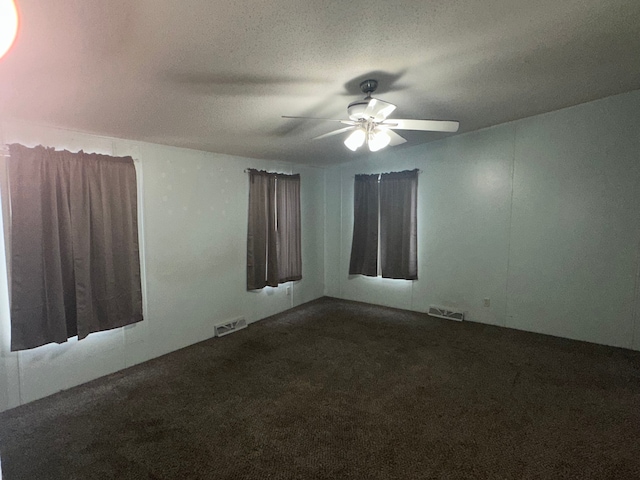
{"x": 217, "y": 75}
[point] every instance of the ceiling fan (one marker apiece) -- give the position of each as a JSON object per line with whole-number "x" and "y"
{"x": 368, "y": 122}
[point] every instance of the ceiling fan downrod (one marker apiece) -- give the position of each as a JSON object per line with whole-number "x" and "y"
{"x": 356, "y": 109}
{"x": 368, "y": 87}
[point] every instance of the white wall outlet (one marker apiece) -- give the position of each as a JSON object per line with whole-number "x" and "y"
{"x": 288, "y": 291}
{"x": 487, "y": 302}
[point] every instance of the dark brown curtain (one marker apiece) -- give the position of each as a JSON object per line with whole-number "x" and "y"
{"x": 74, "y": 245}
{"x": 262, "y": 247}
{"x": 398, "y": 224}
{"x": 288, "y": 225}
{"x": 364, "y": 245}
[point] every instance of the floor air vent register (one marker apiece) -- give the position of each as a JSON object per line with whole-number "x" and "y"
{"x": 446, "y": 313}
{"x": 230, "y": 326}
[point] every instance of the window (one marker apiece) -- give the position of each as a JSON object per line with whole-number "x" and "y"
{"x": 74, "y": 254}
{"x": 385, "y": 225}
{"x": 273, "y": 233}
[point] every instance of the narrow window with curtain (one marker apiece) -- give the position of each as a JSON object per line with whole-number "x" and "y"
{"x": 274, "y": 253}
{"x": 385, "y": 225}
{"x": 75, "y": 265}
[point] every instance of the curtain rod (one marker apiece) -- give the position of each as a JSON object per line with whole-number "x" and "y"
{"x": 419, "y": 171}
{"x": 4, "y": 152}
{"x": 247, "y": 170}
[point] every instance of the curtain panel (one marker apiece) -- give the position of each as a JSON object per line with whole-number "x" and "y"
{"x": 262, "y": 258}
{"x": 364, "y": 245}
{"x": 75, "y": 266}
{"x": 273, "y": 232}
{"x": 288, "y": 225}
{"x": 398, "y": 225}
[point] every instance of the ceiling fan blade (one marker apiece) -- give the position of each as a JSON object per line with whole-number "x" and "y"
{"x": 346, "y": 122}
{"x": 335, "y": 132}
{"x": 395, "y": 138}
{"x": 378, "y": 110}
{"x": 425, "y": 125}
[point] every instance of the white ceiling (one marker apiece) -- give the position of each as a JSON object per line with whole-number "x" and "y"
{"x": 217, "y": 75}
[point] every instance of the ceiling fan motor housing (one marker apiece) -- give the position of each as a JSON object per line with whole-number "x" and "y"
{"x": 356, "y": 109}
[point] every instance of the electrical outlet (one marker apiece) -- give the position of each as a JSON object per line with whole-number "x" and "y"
{"x": 487, "y": 302}
{"x": 288, "y": 291}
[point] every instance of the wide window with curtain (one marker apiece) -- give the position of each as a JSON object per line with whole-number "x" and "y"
{"x": 74, "y": 252}
{"x": 385, "y": 225}
{"x": 273, "y": 234}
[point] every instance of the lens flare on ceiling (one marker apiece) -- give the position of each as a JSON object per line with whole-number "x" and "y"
{"x": 8, "y": 25}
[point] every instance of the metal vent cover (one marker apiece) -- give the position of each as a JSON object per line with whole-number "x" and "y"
{"x": 230, "y": 326}
{"x": 446, "y": 313}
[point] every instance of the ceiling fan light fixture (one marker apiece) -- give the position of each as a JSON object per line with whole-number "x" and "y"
{"x": 378, "y": 139}
{"x": 369, "y": 123}
{"x": 355, "y": 140}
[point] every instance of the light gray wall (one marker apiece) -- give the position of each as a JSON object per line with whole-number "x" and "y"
{"x": 193, "y": 209}
{"x": 539, "y": 215}
{"x": 576, "y": 224}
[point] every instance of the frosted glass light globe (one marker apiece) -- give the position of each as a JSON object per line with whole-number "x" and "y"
{"x": 355, "y": 140}
{"x": 378, "y": 139}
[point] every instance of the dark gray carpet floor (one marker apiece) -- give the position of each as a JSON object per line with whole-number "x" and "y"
{"x": 336, "y": 389}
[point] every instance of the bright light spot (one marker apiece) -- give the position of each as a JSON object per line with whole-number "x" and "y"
{"x": 8, "y": 25}
{"x": 355, "y": 140}
{"x": 378, "y": 139}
